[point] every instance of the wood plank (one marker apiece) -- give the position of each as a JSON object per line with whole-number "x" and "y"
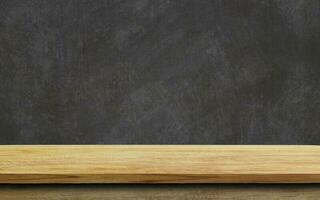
{"x": 159, "y": 164}
{"x": 159, "y": 192}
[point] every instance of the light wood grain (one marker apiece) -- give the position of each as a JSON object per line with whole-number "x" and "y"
{"x": 159, "y": 164}
{"x": 160, "y": 192}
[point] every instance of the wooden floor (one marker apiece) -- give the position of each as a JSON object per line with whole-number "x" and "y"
{"x": 159, "y": 192}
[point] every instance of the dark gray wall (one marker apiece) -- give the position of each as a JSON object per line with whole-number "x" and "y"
{"x": 139, "y": 71}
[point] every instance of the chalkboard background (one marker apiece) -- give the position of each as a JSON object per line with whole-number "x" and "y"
{"x": 160, "y": 72}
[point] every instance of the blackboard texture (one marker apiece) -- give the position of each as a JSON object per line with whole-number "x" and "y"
{"x": 160, "y": 72}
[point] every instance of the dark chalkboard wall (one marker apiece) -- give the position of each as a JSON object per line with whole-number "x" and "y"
{"x": 156, "y": 72}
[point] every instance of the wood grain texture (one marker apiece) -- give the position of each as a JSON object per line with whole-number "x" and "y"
{"x": 160, "y": 192}
{"x": 159, "y": 164}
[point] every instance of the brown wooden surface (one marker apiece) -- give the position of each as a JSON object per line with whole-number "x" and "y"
{"x": 159, "y": 164}
{"x": 160, "y": 192}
